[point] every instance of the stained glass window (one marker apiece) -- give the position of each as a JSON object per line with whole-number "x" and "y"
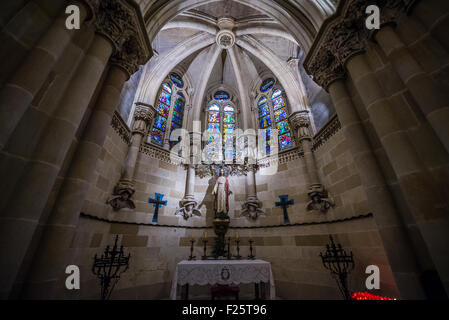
{"x": 170, "y": 110}
{"x": 275, "y": 117}
{"x": 221, "y": 119}
{"x": 163, "y": 109}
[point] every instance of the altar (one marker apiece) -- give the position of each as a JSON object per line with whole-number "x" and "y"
{"x": 222, "y": 272}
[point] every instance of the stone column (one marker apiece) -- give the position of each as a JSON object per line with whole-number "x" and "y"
{"x": 188, "y": 205}
{"x": 63, "y": 220}
{"x": 401, "y": 255}
{"x": 252, "y": 207}
{"x": 17, "y": 94}
{"x": 25, "y": 206}
{"x": 430, "y": 97}
{"x": 425, "y": 204}
{"x": 319, "y": 199}
{"x": 123, "y": 191}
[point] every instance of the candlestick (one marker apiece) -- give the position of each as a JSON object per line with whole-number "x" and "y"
{"x": 238, "y": 256}
{"x": 192, "y": 257}
{"x": 229, "y": 248}
{"x": 204, "y": 257}
{"x": 251, "y": 256}
{"x": 237, "y": 235}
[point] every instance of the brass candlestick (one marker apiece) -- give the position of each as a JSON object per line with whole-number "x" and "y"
{"x": 251, "y": 256}
{"x": 192, "y": 257}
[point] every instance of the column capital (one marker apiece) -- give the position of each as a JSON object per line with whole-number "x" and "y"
{"x": 143, "y": 116}
{"x": 121, "y": 22}
{"x": 344, "y": 35}
{"x": 300, "y": 122}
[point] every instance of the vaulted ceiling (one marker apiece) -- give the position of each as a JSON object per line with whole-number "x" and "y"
{"x": 269, "y": 36}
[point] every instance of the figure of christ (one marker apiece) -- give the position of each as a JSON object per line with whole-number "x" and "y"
{"x": 221, "y": 193}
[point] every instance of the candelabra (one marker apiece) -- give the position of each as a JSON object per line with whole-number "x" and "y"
{"x": 108, "y": 268}
{"x": 204, "y": 257}
{"x": 340, "y": 264}
{"x": 251, "y": 256}
{"x": 192, "y": 257}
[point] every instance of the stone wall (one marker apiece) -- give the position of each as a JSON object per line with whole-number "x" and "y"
{"x": 293, "y": 250}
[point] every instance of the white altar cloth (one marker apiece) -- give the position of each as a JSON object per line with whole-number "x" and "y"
{"x": 223, "y": 272}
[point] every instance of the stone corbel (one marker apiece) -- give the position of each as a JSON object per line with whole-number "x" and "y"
{"x": 252, "y": 207}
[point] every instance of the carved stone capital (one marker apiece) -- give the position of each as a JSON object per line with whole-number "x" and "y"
{"x": 143, "y": 116}
{"x": 121, "y": 22}
{"x": 300, "y": 122}
{"x": 344, "y": 35}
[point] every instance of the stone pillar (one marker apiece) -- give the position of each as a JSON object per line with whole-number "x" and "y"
{"x": 25, "y": 206}
{"x": 17, "y": 94}
{"x": 63, "y": 220}
{"x": 426, "y": 205}
{"x": 430, "y": 97}
{"x": 252, "y": 207}
{"x": 398, "y": 247}
{"x": 319, "y": 199}
{"x": 188, "y": 205}
{"x": 123, "y": 191}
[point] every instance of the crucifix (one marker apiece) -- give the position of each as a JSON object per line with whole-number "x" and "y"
{"x": 284, "y": 204}
{"x": 156, "y": 204}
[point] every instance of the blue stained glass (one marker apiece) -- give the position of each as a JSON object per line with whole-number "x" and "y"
{"x": 221, "y": 96}
{"x": 276, "y": 93}
{"x": 263, "y": 110}
{"x": 174, "y": 126}
{"x": 229, "y": 128}
{"x": 160, "y": 123}
{"x": 213, "y": 138}
{"x": 176, "y": 80}
{"x": 265, "y": 122}
{"x": 285, "y": 141}
{"x": 179, "y": 105}
{"x": 165, "y": 97}
{"x": 228, "y": 139}
{"x": 214, "y": 127}
{"x": 267, "y": 85}
{"x": 177, "y": 117}
{"x": 280, "y": 114}
{"x": 162, "y": 109}
{"x": 283, "y": 127}
{"x": 157, "y": 136}
{"x": 278, "y": 103}
{"x": 214, "y": 117}
{"x": 228, "y": 108}
{"x": 166, "y": 87}
{"x": 214, "y": 107}
{"x": 262, "y": 100}
{"x": 229, "y": 118}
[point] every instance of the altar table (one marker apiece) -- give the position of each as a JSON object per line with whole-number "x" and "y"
{"x": 222, "y": 272}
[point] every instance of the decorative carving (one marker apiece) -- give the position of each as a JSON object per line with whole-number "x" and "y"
{"x": 188, "y": 208}
{"x": 252, "y": 208}
{"x": 344, "y": 35}
{"x": 319, "y": 199}
{"x": 326, "y": 132}
{"x": 122, "y": 24}
{"x": 121, "y": 197}
{"x": 212, "y": 170}
{"x": 143, "y": 116}
{"x": 300, "y": 122}
{"x": 121, "y": 128}
{"x": 161, "y": 154}
{"x": 225, "y": 39}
